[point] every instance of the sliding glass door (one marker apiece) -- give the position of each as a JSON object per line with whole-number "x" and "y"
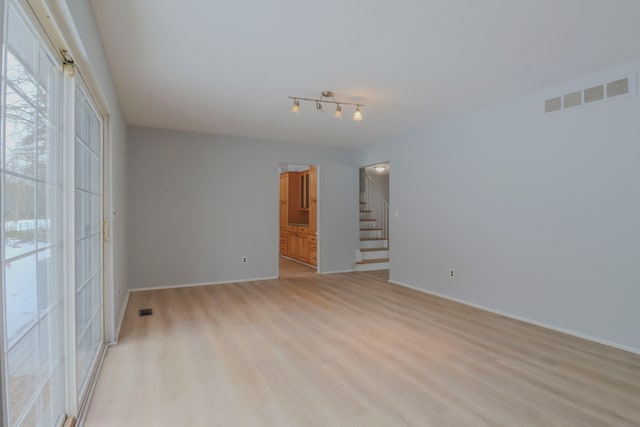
{"x": 88, "y": 237}
{"x": 33, "y": 364}
{"x": 51, "y": 337}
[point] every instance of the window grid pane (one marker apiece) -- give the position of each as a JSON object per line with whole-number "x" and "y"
{"x": 88, "y": 236}
{"x": 30, "y": 212}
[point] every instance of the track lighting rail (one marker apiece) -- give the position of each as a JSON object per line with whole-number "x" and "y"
{"x": 323, "y": 100}
{"x": 357, "y": 115}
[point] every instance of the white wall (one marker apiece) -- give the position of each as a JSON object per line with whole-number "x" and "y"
{"x": 381, "y": 182}
{"x": 199, "y": 203}
{"x": 539, "y": 214}
{"x": 87, "y": 29}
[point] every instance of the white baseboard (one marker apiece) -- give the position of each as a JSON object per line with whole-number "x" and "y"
{"x": 337, "y": 272}
{"x": 121, "y": 318}
{"x": 192, "y": 285}
{"x": 84, "y": 409}
{"x": 522, "y": 319}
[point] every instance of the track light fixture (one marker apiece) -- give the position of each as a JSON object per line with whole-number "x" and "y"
{"x": 338, "y": 113}
{"x": 357, "y": 115}
{"x": 296, "y": 106}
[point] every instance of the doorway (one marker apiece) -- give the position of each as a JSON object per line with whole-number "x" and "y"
{"x": 373, "y": 251}
{"x": 298, "y": 224}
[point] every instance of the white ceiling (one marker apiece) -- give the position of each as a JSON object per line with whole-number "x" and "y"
{"x": 227, "y": 67}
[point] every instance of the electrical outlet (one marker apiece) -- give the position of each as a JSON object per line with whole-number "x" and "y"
{"x": 244, "y": 259}
{"x": 452, "y": 273}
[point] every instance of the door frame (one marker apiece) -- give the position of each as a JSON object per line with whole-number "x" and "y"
{"x": 279, "y": 166}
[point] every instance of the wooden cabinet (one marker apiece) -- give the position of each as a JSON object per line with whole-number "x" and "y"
{"x": 284, "y": 243}
{"x": 299, "y": 245}
{"x": 304, "y": 190}
{"x": 313, "y": 249}
{"x": 298, "y": 205}
{"x": 284, "y": 200}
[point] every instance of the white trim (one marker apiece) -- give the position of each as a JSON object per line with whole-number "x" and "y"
{"x": 300, "y": 262}
{"x": 108, "y": 268}
{"x": 56, "y": 18}
{"x": 91, "y": 388}
{"x": 120, "y": 319}
{"x": 192, "y": 285}
{"x": 4, "y": 419}
{"x": 68, "y": 239}
{"x": 522, "y": 319}
{"x": 337, "y": 272}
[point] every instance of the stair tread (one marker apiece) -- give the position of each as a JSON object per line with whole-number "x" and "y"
{"x": 373, "y": 261}
{"x": 372, "y": 238}
{"x": 373, "y": 249}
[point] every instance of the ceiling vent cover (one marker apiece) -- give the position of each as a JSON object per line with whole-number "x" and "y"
{"x": 593, "y": 94}
{"x": 573, "y": 99}
{"x": 600, "y": 92}
{"x": 553, "y": 104}
{"x": 617, "y": 88}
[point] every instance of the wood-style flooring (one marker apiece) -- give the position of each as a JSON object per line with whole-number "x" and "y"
{"x": 350, "y": 350}
{"x": 289, "y": 269}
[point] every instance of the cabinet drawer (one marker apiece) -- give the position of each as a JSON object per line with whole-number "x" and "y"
{"x": 313, "y": 259}
{"x": 284, "y": 249}
{"x": 284, "y": 240}
{"x": 284, "y": 234}
{"x": 313, "y": 240}
{"x": 313, "y": 248}
{"x": 303, "y": 230}
{"x": 292, "y": 228}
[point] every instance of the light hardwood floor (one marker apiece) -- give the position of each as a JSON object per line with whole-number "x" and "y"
{"x": 351, "y": 350}
{"x": 289, "y": 269}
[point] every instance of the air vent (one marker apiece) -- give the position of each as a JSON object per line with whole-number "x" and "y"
{"x": 573, "y": 99}
{"x": 145, "y": 312}
{"x": 587, "y": 96}
{"x": 617, "y": 88}
{"x": 553, "y": 104}
{"x": 593, "y": 94}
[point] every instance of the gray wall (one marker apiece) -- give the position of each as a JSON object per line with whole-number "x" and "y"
{"x": 539, "y": 214}
{"x": 199, "y": 203}
{"x": 84, "y": 20}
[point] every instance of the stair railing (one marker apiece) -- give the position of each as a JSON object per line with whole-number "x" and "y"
{"x": 379, "y": 207}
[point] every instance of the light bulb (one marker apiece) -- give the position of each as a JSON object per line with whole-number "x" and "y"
{"x": 357, "y": 116}
{"x": 338, "y": 113}
{"x": 296, "y": 106}
{"x": 379, "y": 168}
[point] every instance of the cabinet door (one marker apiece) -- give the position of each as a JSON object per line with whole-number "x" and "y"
{"x": 304, "y": 190}
{"x": 313, "y": 200}
{"x": 303, "y": 248}
{"x": 291, "y": 247}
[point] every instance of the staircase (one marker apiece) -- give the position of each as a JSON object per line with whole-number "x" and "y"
{"x": 373, "y": 253}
